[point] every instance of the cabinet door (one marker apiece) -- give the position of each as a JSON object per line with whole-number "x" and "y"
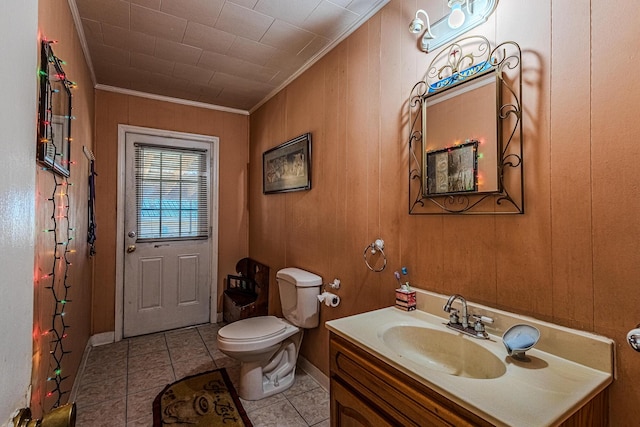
{"x": 347, "y": 410}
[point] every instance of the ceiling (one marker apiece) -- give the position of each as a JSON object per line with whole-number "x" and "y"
{"x": 233, "y": 54}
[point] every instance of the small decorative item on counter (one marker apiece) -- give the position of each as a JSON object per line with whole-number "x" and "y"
{"x": 406, "y": 299}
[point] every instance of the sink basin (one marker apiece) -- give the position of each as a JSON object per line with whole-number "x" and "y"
{"x": 446, "y": 352}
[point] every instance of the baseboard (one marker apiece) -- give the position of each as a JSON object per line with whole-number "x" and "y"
{"x": 102, "y": 338}
{"x": 94, "y": 341}
{"x": 314, "y": 372}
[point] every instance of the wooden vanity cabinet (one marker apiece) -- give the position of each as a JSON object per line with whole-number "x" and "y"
{"x": 365, "y": 391}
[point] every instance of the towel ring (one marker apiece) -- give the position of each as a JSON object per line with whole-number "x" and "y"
{"x": 377, "y": 246}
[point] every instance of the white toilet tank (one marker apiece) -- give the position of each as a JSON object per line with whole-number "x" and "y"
{"x": 299, "y": 290}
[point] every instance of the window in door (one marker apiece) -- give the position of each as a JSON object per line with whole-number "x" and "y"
{"x": 172, "y": 193}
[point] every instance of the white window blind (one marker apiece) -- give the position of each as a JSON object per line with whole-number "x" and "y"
{"x": 172, "y": 193}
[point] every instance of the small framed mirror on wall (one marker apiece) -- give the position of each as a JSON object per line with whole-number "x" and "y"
{"x": 465, "y": 141}
{"x": 54, "y": 115}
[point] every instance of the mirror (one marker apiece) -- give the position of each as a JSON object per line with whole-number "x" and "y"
{"x": 465, "y": 142}
{"x": 54, "y": 130}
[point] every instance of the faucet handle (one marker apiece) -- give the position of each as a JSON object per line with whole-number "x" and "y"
{"x": 484, "y": 319}
{"x": 454, "y": 319}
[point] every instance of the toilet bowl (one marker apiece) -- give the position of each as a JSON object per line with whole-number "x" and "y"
{"x": 267, "y": 346}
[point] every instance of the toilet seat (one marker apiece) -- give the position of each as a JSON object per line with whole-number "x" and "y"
{"x": 252, "y": 328}
{"x": 254, "y": 333}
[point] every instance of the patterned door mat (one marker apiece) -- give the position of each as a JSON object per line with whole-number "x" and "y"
{"x": 207, "y": 399}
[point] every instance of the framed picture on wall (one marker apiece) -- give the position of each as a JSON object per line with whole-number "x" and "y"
{"x": 287, "y": 167}
{"x": 54, "y": 115}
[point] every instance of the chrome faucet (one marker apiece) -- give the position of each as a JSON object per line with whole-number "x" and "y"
{"x": 461, "y": 323}
{"x": 465, "y": 314}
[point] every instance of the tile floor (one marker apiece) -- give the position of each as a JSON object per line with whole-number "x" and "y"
{"x": 120, "y": 381}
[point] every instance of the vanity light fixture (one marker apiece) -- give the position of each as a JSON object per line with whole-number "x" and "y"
{"x": 464, "y": 15}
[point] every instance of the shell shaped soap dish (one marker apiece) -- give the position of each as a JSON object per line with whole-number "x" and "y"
{"x": 520, "y": 338}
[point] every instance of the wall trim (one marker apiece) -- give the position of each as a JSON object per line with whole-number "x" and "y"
{"x": 314, "y": 372}
{"x": 170, "y": 99}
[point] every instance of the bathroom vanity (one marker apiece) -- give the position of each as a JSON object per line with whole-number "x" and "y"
{"x": 390, "y": 367}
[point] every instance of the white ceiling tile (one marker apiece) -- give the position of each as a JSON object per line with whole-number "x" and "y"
{"x": 203, "y": 90}
{"x": 192, "y": 74}
{"x": 202, "y": 11}
{"x": 287, "y": 37}
{"x": 291, "y": 11}
{"x": 285, "y": 61}
{"x": 111, "y": 75}
{"x": 362, "y": 7}
{"x": 157, "y": 24}
{"x": 249, "y": 4}
{"x": 110, "y": 54}
{"x": 330, "y": 20}
{"x": 125, "y": 39}
{"x": 208, "y": 38}
{"x": 344, "y": 3}
{"x": 162, "y": 80}
{"x": 243, "y": 69}
{"x": 114, "y": 12}
{"x": 92, "y": 31}
{"x": 312, "y": 49}
{"x": 243, "y": 22}
{"x": 151, "y": 63}
{"x": 238, "y": 83}
{"x": 254, "y": 52}
{"x": 151, "y": 4}
{"x": 177, "y": 52}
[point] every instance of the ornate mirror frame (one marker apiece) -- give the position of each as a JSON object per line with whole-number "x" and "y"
{"x": 459, "y": 66}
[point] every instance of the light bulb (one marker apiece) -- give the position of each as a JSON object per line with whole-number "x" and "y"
{"x": 456, "y": 17}
{"x": 416, "y": 25}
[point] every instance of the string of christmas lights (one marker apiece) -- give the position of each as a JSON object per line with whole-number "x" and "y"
{"x": 58, "y": 278}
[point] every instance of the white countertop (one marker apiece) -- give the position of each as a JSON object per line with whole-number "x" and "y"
{"x": 544, "y": 391}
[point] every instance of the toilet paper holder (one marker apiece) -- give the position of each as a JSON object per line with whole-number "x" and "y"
{"x": 633, "y": 338}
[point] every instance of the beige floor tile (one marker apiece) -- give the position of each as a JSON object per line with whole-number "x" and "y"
{"x": 192, "y": 367}
{"x": 148, "y": 361}
{"x": 312, "y": 405}
{"x": 183, "y": 339}
{"x": 252, "y": 405}
{"x": 140, "y": 405}
{"x": 147, "y": 344}
{"x": 181, "y": 354}
{"x": 96, "y": 392}
{"x": 148, "y": 379}
{"x": 277, "y": 415}
{"x": 302, "y": 384}
{"x": 110, "y": 413}
{"x": 95, "y": 372}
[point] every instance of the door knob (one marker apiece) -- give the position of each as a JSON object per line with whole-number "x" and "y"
{"x": 131, "y": 248}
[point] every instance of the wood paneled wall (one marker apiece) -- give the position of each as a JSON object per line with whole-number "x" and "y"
{"x": 113, "y": 109}
{"x": 56, "y": 23}
{"x": 572, "y": 258}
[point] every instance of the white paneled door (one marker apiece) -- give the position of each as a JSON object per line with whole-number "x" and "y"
{"x": 167, "y": 242}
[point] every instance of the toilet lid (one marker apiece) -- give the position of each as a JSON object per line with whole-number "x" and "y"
{"x": 253, "y": 328}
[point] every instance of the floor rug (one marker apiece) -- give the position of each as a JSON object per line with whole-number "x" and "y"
{"x": 207, "y": 399}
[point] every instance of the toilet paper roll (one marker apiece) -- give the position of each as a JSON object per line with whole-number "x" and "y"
{"x": 329, "y": 299}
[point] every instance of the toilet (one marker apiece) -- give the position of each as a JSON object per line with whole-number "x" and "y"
{"x": 267, "y": 346}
